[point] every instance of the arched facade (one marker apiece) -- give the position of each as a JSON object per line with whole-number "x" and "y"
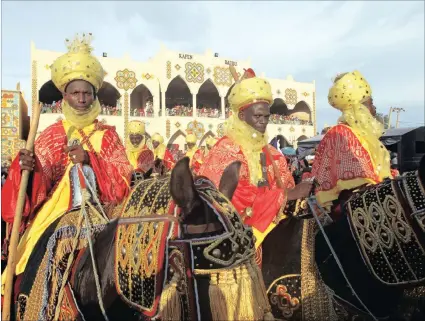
{"x": 301, "y": 111}
{"x": 207, "y": 134}
{"x": 175, "y": 77}
{"x": 50, "y": 96}
{"x": 178, "y": 99}
{"x": 208, "y": 101}
{"x": 279, "y": 107}
{"x": 109, "y": 99}
{"x": 141, "y": 102}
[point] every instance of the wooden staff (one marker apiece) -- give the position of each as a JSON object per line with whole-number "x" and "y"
{"x": 14, "y": 237}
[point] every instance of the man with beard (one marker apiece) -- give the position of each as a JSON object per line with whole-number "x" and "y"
{"x": 264, "y": 188}
{"x": 139, "y": 154}
{"x": 350, "y": 154}
{"x": 161, "y": 153}
{"x": 79, "y": 139}
{"x": 200, "y": 155}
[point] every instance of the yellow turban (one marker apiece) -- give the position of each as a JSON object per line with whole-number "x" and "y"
{"x": 191, "y": 138}
{"x": 136, "y": 127}
{"x": 250, "y": 91}
{"x": 211, "y": 141}
{"x": 158, "y": 138}
{"x": 77, "y": 64}
{"x": 351, "y": 89}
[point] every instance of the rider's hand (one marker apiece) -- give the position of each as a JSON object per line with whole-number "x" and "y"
{"x": 302, "y": 190}
{"x": 26, "y": 160}
{"x": 77, "y": 154}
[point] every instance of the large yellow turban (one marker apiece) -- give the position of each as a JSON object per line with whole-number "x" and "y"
{"x": 211, "y": 141}
{"x": 250, "y": 91}
{"x": 191, "y": 139}
{"x": 136, "y": 127}
{"x": 158, "y": 138}
{"x": 348, "y": 94}
{"x": 77, "y": 64}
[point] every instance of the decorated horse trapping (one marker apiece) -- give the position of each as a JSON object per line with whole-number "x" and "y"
{"x": 387, "y": 229}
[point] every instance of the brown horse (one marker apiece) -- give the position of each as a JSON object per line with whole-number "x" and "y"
{"x": 146, "y": 258}
{"x": 375, "y": 269}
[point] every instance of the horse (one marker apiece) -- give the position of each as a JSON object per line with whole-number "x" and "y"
{"x": 176, "y": 249}
{"x": 365, "y": 264}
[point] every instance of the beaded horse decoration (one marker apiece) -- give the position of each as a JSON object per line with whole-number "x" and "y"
{"x": 156, "y": 270}
{"x": 387, "y": 222}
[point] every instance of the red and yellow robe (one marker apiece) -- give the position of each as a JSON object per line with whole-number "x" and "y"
{"x": 50, "y": 188}
{"x": 342, "y": 162}
{"x": 259, "y": 206}
{"x": 198, "y": 159}
{"x": 162, "y": 153}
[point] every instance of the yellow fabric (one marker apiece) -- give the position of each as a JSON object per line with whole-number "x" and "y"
{"x": 159, "y": 152}
{"x": 158, "y": 138}
{"x": 211, "y": 141}
{"x": 251, "y": 142}
{"x": 191, "y": 138}
{"x": 81, "y": 119}
{"x": 325, "y": 198}
{"x": 250, "y": 91}
{"x": 138, "y": 128}
{"x": 55, "y": 207}
{"x": 77, "y": 64}
{"x": 190, "y": 153}
{"x": 347, "y": 95}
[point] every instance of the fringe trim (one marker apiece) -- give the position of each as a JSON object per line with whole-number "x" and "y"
{"x": 170, "y": 305}
{"x": 239, "y": 294}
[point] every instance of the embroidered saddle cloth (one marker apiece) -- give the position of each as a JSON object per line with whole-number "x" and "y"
{"x": 386, "y": 234}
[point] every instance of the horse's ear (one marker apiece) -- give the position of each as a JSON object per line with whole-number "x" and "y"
{"x": 229, "y": 179}
{"x": 182, "y": 187}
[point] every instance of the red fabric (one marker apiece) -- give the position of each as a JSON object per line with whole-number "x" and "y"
{"x": 168, "y": 159}
{"x": 110, "y": 166}
{"x": 146, "y": 159}
{"x": 266, "y": 202}
{"x": 197, "y": 160}
{"x": 341, "y": 156}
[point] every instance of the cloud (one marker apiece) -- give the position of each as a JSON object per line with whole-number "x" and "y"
{"x": 309, "y": 40}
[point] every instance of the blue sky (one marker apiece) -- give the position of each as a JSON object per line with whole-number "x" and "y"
{"x": 309, "y": 40}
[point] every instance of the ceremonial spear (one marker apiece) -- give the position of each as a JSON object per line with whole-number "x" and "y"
{"x": 14, "y": 237}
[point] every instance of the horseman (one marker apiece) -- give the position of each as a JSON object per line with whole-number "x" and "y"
{"x": 161, "y": 152}
{"x": 138, "y": 151}
{"x": 200, "y": 154}
{"x": 350, "y": 154}
{"x": 265, "y": 185}
{"x": 78, "y": 139}
{"x": 191, "y": 140}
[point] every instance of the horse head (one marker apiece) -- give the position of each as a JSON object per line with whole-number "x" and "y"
{"x": 194, "y": 210}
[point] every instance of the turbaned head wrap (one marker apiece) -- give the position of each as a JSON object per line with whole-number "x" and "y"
{"x": 349, "y": 92}
{"x": 247, "y": 91}
{"x": 158, "y": 138}
{"x": 78, "y": 64}
{"x": 136, "y": 127}
{"x": 191, "y": 138}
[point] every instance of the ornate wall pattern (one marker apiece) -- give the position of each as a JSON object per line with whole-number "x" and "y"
{"x": 194, "y": 72}
{"x": 168, "y": 128}
{"x": 168, "y": 69}
{"x": 220, "y": 130}
{"x": 34, "y": 89}
{"x": 291, "y": 96}
{"x": 196, "y": 128}
{"x": 126, "y": 79}
{"x": 10, "y": 124}
{"x": 222, "y": 76}
{"x": 126, "y": 112}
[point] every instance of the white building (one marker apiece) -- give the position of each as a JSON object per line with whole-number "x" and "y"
{"x": 176, "y": 91}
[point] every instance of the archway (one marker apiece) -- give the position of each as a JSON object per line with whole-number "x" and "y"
{"x": 207, "y": 134}
{"x": 208, "y": 100}
{"x": 141, "y": 101}
{"x": 50, "y": 96}
{"x": 226, "y": 101}
{"x": 108, "y": 97}
{"x": 176, "y": 144}
{"x": 178, "y": 99}
{"x": 301, "y": 112}
{"x": 279, "y": 107}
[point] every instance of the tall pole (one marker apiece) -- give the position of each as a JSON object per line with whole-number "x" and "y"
{"x": 389, "y": 118}
{"x": 398, "y": 110}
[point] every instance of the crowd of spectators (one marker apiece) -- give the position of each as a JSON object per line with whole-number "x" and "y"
{"x": 288, "y": 120}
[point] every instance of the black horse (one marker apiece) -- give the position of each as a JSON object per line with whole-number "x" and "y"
{"x": 295, "y": 244}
